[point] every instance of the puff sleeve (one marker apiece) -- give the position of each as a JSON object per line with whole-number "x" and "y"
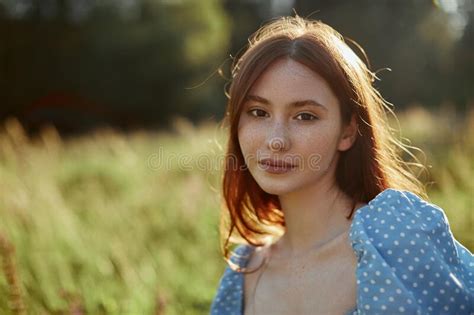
{"x": 408, "y": 259}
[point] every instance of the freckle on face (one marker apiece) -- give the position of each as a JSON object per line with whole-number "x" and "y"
{"x": 284, "y": 82}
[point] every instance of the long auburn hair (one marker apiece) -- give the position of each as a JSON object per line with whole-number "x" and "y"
{"x": 370, "y": 166}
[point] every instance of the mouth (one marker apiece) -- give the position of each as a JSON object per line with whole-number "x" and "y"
{"x": 276, "y": 166}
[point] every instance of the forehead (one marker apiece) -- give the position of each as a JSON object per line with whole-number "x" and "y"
{"x": 286, "y": 80}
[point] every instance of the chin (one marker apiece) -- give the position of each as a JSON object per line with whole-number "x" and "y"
{"x": 276, "y": 186}
{"x": 278, "y": 191}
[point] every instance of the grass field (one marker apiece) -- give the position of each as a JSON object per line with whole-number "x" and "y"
{"x": 113, "y": 223}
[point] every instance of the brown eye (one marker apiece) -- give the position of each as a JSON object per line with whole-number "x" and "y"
{"x": 257, "y": 112}
{"x": 306, "y": 116}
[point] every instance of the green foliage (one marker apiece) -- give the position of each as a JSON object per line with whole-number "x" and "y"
{"x": 99, "y": 225}
{"x": 122, "y": 65}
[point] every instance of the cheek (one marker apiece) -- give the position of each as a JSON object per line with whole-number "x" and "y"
{"x": 322, "y": 141}
{"x": 248, "y": 135}
{"x": 310, "y": 138}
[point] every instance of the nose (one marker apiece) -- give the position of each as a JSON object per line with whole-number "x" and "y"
{"x": 278, "y": 139}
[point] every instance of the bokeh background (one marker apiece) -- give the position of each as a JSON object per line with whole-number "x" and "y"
{"x": 110, "y": 147}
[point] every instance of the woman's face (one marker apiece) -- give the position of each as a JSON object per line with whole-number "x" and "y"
{"x": 291, "y": 115}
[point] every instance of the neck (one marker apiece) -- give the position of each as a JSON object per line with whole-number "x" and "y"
{"x": 313, "y": 216}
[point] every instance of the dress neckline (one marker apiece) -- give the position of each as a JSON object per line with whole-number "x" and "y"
{"x": 350, "y": 239}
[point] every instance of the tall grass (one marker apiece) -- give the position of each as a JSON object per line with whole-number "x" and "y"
{"x": 96, "y": 225}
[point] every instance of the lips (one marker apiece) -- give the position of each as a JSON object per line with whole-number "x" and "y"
{"x": 276, "y": 163}
{"x": 273, "y": 166}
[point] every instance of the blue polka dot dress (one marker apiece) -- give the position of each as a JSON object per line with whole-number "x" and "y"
{"x": 408, "y": 261}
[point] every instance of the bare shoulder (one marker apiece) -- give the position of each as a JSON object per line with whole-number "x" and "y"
{"x": 255, "y": 265}
{"x": 257, "y": 256}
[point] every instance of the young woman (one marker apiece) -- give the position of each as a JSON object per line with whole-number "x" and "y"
{"x": 327, "y": 217}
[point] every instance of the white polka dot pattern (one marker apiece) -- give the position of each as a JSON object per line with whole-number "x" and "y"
{"x": 229, "y": 297}
{"x": 408, "y": 261}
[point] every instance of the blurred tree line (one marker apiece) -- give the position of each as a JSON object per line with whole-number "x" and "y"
{"x": 138, "y": 63}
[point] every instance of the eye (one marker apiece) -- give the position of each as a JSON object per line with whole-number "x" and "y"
{"x": 306, "y": 116}
{"x": 257, "y": 112}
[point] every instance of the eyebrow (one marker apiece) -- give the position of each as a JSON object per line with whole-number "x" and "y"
{"x": 301, "y": 103}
